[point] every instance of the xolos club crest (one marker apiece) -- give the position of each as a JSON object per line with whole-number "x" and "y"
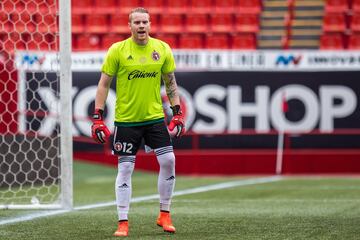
{"x": 155, "y": 55}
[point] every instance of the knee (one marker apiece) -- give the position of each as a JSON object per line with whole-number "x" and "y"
{"x": 167, "y": 160}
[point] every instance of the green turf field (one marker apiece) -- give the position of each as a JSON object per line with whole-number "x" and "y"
{"x": 291, "y": 208}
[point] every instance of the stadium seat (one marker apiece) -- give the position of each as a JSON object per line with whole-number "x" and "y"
{"x": 203, "y": 6}
{"x": 96, "y": 23}
{"x": 217, "y": 41}
{"x": 154, "y": 6}
{"x": 46, "y": 23}
{"x": 87, "y": 42}
{"x": 37, "y": 41}
{"x": 247, "y": 23}
{"x": 119, "y": 23}
{"x": 355, "y": 6}
{"x": 125, "y": 6}
{"x": 336, "y": 6}
{"x": 225, "y": 6}
{"x": 355, "y": 22}
{"x": 334, "y": 22}
{"x": 41, "y": 6}
{"x": 6, "y": 25}
{"x": 105, "y": 6}
{"x": 10, "y": 6}
{"x": 170, "y": 39}
{"x": 111, "y": 38}
{"x": 243, "y": 41}
{"x": 331, "y": 41}
{"x": 82, "y": 7}
{"x": 77, "y": 23}
{"x": 177, "y": 7}
{"x": 23, "y": 22}
{"x": 171, "y": 23}
{"x": 249, "y": 6}
{"x": 13, "y": 41}
{"x": 196, "y": 22}
{"x": 354, "y": 41}
{"x": 191, "y": 41}
{"x": 221, "y": 22}
{"x": 155, "y": 24}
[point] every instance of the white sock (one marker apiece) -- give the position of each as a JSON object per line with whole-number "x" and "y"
{"x": 166, "y": 179}
{"x": 123, "y": 185}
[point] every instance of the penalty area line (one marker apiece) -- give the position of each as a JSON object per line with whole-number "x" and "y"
{"x": 206, "y": 188}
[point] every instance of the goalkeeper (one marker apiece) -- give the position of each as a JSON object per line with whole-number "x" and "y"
{"x": 139, "y": 63}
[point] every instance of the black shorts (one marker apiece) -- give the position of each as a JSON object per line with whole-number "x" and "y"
{"x": 127, "y": 140}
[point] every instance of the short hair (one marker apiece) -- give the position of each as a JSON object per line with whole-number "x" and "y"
{"x": 138, "y": 10}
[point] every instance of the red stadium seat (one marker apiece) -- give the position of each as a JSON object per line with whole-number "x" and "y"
{"x": 191, "y": 41}
{"x": 217, "y": 41}
{"x": 6, "y": 25}
{"x": 87, "y": 42}
{"x": 13, "y": 41}
{"x": 171, "y": 23}
{"x": 155, "y": 23}
{"x": 82, "y": 7}
{"x": 125, "y": 6}
{"x": 222, "y": 22}
{"x": 37, "y": 41}
{"x": 355, "y": 22}
{"x": 243, "y": 41}
{"x": 105, "y": 6}
{"x": 119, "y": 23}
{"x": 196, "y": 22}
{"x": 331, "y": 41}
{"x": 225, "y": 6}
{"x": 77, "y": 23}
{"x": 96, "y": 23}
{"x": 154, "y": 6}
{"x": 355, "y": 6}
{"x": 11, "y": 5}
{"x": 334, "y": 22}
{"x": 247, "y": 23}
{"x": 204, "y": 6}
{"x": 336, "y": 6}
{"x": 111, "y": 38}
{"x": 249, "y": 6}
{"x": 46, "y": 23}
{"x": 23, "y": 22}
{"x": 354, "y": 41}
{"x": 177, "y": 7}
{"x": 170, "y": 39}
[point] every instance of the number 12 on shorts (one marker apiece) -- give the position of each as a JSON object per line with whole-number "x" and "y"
{"x": 123, "y": 147}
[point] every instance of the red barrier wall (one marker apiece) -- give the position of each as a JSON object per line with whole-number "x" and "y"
{"x": 231, "y": 162}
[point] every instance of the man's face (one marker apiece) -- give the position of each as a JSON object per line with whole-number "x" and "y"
{"x": 140, "y": 27}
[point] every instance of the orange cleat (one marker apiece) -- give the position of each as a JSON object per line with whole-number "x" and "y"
{"x": 123, "y": 229}
{"x": 164, "y": 221}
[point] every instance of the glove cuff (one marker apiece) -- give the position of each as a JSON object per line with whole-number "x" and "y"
{"x": 176, "y": 110}
{"x": 98, "y": 114}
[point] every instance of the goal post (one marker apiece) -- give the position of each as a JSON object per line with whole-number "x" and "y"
{"x": 36, "y": 105}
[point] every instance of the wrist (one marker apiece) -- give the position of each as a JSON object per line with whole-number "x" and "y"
{"x": 98, "y": 114}
{"x": 176, "y": 110}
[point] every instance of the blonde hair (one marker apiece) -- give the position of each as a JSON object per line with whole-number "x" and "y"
{"x": 138, "y": 10}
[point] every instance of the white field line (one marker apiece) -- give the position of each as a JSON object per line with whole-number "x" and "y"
{"x": 207, "y": 188}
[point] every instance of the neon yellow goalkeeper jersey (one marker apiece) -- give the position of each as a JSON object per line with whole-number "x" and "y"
{"x": 138, "y": 71}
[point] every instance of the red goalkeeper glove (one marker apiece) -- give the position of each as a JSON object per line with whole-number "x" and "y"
{"x": 178, "y": 122}
{"x": 100, "y": 132}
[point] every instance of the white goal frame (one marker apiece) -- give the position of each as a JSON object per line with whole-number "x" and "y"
{"x": 65, "y": 198}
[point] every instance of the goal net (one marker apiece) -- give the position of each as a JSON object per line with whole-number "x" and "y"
{"x": 35, "y": 108}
